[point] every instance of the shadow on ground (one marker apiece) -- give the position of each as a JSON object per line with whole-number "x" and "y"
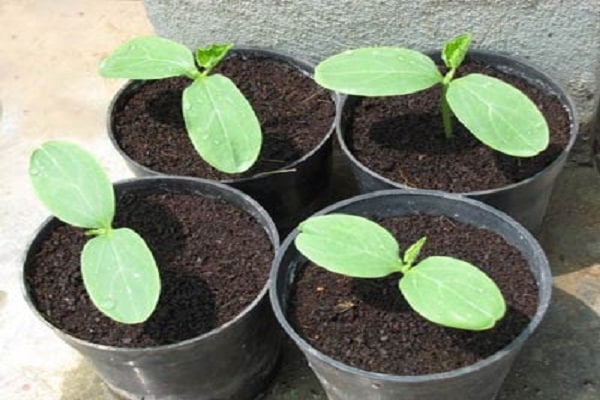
{"x": 81, "y": 383}
{"x": 295, "y": 380}
{"x": 562, "y": 361}
{"x": 570, "y": 234}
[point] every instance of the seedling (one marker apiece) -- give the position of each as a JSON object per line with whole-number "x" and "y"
{"x": 219, "y": 120}
{"x": 496, "y": 113}
{"x": 444, "y": 290}
{"x": 118, "y": 269}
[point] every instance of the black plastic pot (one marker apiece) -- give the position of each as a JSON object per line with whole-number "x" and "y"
{"x": 235, "y": 361}
{"x": 527, "y": 200}
{"x": 289, "y": 193}
{"x": 480, "y": 381}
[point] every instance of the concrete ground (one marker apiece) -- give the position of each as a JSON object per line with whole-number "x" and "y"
{"x": 49, "y": 89}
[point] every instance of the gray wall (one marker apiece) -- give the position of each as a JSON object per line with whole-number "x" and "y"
{"x": 560, "y": 37}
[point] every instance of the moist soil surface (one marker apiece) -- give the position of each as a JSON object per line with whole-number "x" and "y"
{"x": 213, "y": 258}
{"x": 294, "y": 112}
{"x": 366, "y": 323}
{"x": 402, "y": 138}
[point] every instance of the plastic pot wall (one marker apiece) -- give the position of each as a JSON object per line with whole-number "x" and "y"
{"x": 290, "y": 193}
{"x": 527, "y": 200}
{"x": 480, "y": 381}
{"x": 235, "y": 361}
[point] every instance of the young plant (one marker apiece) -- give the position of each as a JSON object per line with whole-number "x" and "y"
{"x": 496, "y": 113}
{"x": 118, "y": 269}
{"x": 219, "y": 120}
{"x": 443, "y": 290}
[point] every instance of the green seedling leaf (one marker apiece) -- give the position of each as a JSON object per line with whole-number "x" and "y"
{"x": 72, "y": 185}
{"x": 411, "y": 254}
{"x": 378, "y": 71}
{"x": 221, "y": 124}
{"x": 455, "y": 50}
{"x": 210, "y": 56}
{"x": 149, "y": 57}
{"x": 499, "y": 115}
{"x": 453, "y": 293}
{"x": 121, "y": 276}
{"x": 349, "y": 245}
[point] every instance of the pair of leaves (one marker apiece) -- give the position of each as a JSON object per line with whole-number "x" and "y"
{"x": 443, "y": 290}
{"x": 220, "y": 122}
{"x": 118, "y": 269}
{"x": 498, "y": 114}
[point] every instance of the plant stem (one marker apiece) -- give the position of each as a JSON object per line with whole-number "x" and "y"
{"x": 446, "y": 114}
{"x": 194, "y": 74}
{"x": 446, "y": 111}
{"x": 403, "y": 268}
{"x": 98, "y": 231}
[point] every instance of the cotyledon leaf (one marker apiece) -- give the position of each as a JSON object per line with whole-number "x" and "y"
{"x": 349, "y": 245}
{"x": 149, "y": 57}
{"x": 453, "y": 293}
{"x": 221, "y": 124}
{"x": 378, "y": 71}
{"x": 499, "y": 115}
{"x": 121, "y": 276}
{"x": 72, "y": 185}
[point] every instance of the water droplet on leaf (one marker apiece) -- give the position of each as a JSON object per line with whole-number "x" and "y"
{"x": 34, "y": 171}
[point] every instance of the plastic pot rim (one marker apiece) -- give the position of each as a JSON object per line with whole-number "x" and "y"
{"x": 302, "y": 66}
{"x": 544, "y": 293}
{"x": 268, "y": 225}
{"x": 550, "y": 85}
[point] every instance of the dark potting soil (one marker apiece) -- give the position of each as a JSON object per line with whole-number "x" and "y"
{"x": 366, "y": 323}
{"x": 213, "y": 258}
{"x": 402, "y": 138}
{"x": 295, "y": 114}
